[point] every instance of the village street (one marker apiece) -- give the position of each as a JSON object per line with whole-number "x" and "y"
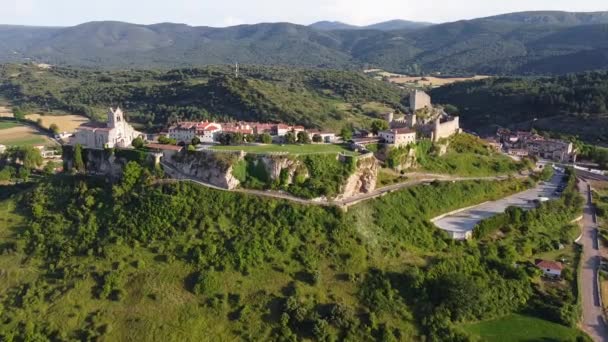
{"x": 593, "y": 322}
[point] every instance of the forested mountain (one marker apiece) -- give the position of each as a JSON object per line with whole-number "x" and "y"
{"x": 518, "y": 43}
{"x": 574, "y": 104}
{"x": 390, "y": 25}
{"x": 311, "y": 97}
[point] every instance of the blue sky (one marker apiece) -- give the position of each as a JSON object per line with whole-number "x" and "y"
{"x": 233, "y": 12}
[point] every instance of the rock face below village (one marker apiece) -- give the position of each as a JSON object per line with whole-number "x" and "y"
{"x": 363, "y": 180}
{"x": 219, "y": 169}
{"x": 208, "y": 167}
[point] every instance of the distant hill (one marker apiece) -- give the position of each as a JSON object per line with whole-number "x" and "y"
{"x": 332, "y": 25}
{"x": 575, "y": 104}
{"x": 391, "y": 25}
{"x": 315, "y": 98}
{"x": 517, "y": 43}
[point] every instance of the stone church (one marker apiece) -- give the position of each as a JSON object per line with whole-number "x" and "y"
{"x": 116, "y": 132}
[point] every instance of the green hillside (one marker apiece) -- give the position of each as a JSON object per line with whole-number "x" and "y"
{"x": 310, "y": 97}
{"x": 575, "y": 104}
{"x": 182, "y": 262}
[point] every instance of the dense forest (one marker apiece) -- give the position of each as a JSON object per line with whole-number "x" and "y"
{"x": 310, "y": 97}
{"x": 536, "y": 43}
{"x": 574, "y": 104}
{"x": 142, "y": 260}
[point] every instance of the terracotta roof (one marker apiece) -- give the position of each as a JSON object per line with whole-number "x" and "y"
{"x": 552, "y": 265}
{"x": 401, "y": 131}
{"x": 164, "y": 147}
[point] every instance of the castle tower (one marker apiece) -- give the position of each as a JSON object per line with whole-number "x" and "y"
{"x": 419, "y": 100}
{"x": 390, "y": 117}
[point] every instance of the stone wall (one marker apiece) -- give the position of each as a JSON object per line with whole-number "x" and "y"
{"x": 446, "y": 129}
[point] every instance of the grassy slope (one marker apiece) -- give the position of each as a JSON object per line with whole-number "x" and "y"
{"x": 466, "y": 156}
{"x": 8, "y": 124}
{"x": 157, "y": 306}
{"x": 517, "y": 328}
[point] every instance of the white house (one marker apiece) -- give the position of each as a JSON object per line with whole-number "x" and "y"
{"x": 116, "y": 132}
{"x": 398, "y": 137}
{"x": 2, "y": 148}
{"x": 551, "y": 269}
{"x": 326, "y": 137}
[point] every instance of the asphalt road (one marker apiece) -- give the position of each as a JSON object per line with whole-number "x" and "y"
{"x": 593, "y": 322}
{"x": 466, "y": 220}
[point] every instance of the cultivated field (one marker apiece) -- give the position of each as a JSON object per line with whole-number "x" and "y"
{"x": 5, "y": 112}
{"x": 432, "y": 81}
{"x": 66, "y": 123}
{"x": 20, "y": 135}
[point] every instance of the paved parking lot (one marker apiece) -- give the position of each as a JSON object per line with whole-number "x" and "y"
{"x": 460, "y": 223}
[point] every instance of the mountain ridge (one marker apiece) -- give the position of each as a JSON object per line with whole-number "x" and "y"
{"x": 515, "y": 43}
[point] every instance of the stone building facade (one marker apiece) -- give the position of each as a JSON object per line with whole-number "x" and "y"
{"x": 398, "y": 137}
{"x": 116, "y": 132}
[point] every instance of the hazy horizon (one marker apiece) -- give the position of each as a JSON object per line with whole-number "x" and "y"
{"x": 236, "y": 12}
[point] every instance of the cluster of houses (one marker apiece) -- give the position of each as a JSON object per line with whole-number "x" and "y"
{"x": 523, "y": 144}
{"x": 425, "y": 120}
{"x": 210, "y": 132}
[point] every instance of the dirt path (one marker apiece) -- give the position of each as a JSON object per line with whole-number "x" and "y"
{"x": 345, "y": 203}
{"x": 593, "y": 321}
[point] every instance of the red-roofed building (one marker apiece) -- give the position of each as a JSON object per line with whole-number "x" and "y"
{"x": 550, "y": 268}
{"x": 398, "y": 137}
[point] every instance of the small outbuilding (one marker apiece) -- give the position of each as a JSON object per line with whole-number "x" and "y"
{"x": 552, "y": 269}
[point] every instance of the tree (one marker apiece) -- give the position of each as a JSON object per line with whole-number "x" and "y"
{"x": 49, "y": 168}
{"x": 450, "y": 109}
{"x": 379, "y": 125}
{"x": 195, "y": 141}
{"x": 18, "y": 113}
{"x": 54, "y": 128}
{"x": 317, "y": 138}
{"x": 290, "y": 138}
{"x": 138, "y": 142}
{"x": 346, "y": 133}
{"x": 78, "y": 161}
{"x": 266, "y": 138}
{"x": 163, "y": 139}
{"x": 303, "y": 138}
{"x": 29, "y": 156}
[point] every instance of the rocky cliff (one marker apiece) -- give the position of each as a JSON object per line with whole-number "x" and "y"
{"x": 110, "y": 162}
{"x": 364, "y": 178}
{"x": 207, "y": 166}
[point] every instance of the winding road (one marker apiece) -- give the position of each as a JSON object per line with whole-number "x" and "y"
{"x": 593, "y": 321}
{"x": 420, "y": 178}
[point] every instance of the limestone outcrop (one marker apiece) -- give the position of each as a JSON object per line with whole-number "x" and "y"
{"x": 289, "y": 166}
{"x": 208, "y": 167}
{"x": 363, "y": 180}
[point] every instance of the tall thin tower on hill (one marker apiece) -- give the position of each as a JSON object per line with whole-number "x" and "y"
{"x": 236, "y": 69}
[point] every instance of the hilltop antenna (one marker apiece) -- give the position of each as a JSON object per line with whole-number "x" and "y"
{"x": 236, "y": 69}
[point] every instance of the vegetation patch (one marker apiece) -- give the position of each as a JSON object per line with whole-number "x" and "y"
{"x": 514, "y": 328}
